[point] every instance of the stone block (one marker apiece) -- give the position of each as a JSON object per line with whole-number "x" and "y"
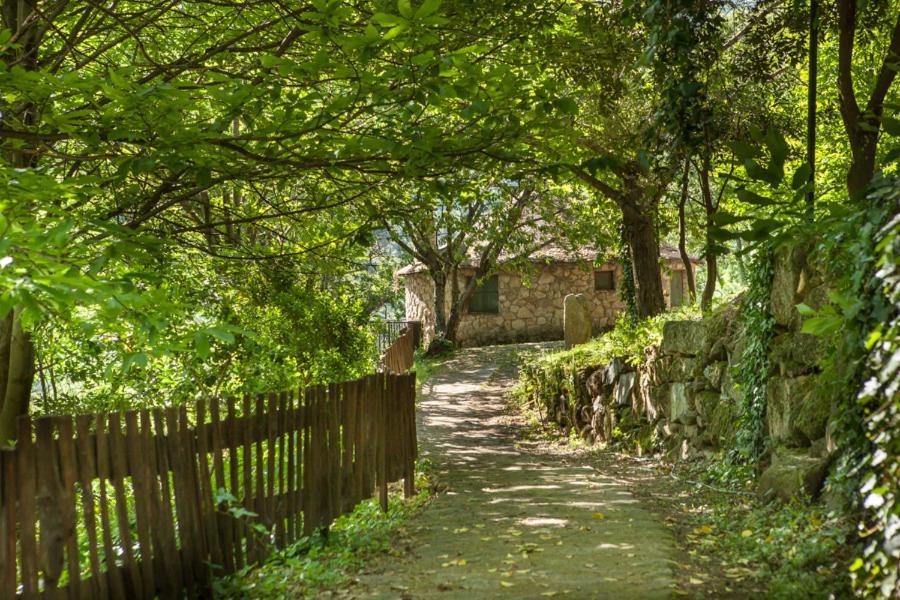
{"x": 713, "y": 374}
{"x": 612, "y": 369}
{"x": 792, "y": 472}
{"x": 796, "y": 412}
{"x": 687, "y": 338}
{"x": 722, "y": 423}
{"x": 680, "y": 406}
{"x": 794, "y": 353}
{"x": 705, "y": 403}
{"x": 576, "y": 320}
{"x": 624, "y": 388}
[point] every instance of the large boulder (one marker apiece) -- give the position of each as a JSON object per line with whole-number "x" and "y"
{"x": 687, "y": 338}
{"x": 576, "y": 320}
{"x": 792, "y": 472}
{"x": 796, "y": 411}
{"x": 794, "y": 353}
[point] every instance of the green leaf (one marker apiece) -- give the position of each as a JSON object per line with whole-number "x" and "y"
{"x": 201, "y": 344}
{"x": 891, "y": 126}
{"x": 428, "y": 8}
{"x": 405, "y": 8}
{"x": 801, "y": 176}
{"x": 134, "y": 359}
{"x": 754, "y": 198}
{"x": 220, "y": 334}
{"x": 743, "y": 150}
{"x": 777, "y": 146}
{"x": 388, "y": 20}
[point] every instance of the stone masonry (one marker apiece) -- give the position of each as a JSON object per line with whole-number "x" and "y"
{"x": 531, "y": 304}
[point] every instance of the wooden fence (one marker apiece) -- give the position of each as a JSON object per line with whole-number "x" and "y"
{"x": 154, "y": 503}
{"x": 386, "y": 332}
{"x": 398, "y": 358}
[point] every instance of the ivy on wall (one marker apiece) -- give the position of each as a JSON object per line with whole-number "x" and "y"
{"x": 752, "y": 369}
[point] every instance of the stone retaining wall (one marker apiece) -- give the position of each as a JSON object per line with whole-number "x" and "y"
{"x": 684, "y": 400}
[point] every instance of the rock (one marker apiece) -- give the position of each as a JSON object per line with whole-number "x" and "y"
{"x": 684, "y": 337}
{"x": 713, "y": 374}
{"x": 705, "y": 402}
{"x": 795, "y": 353}
{"x": 576, "y": 320}
{"x": 612, "y": 370}
{"x": 721, "y": 328}
{"x": 795, "y": 280}
{"x": 729, "y": 388}
{"x": 677, "y": 368}
{"x": 624, "y": 388}
{"x": 796, "y": 412}
{"x": 595, "y": 383}
{"x": 722, "y": 423}
{"x": 656, "y": 401}
{"x": 680, "y": 406}
{"x": 792, "y": 472}
{"x": 789, "y": 264}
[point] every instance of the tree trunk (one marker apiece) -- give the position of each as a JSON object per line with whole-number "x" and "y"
{"x": 20, "y": 375}
{"x": 640, "y": 232}
{"x": 682, "y": 234}
{"x": 862, "y": 162}
{"x": 712, "y": 268}
{"x": 440, "y": 307}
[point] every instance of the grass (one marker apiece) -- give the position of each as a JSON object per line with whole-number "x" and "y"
{"x": 321, "y": 562}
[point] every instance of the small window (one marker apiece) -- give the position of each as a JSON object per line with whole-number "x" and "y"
{"x": 604, "y": 281}
{"x": 486, "y": 297}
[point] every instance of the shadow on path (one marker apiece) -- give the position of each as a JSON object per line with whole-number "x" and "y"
{"x": 513, "y": 522}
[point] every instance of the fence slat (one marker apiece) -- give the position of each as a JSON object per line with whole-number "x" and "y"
{"x": 222, "y": 521}
{"x": 206, "y": 504}
{"x": 114, "y": 574}
{"x": 8, "y": 562}
{"x": 291, "y": 426}
{"x": 167, "y": 525}
{"x": 68, "y": 468}
{"x": 138, "y": 466}
{"x": 87, "y": 472}
{"x": 233, "y": 480}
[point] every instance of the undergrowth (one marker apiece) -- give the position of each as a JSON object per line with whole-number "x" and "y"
{"x": 793, "y": 550}
{"x": 323, "y": 561}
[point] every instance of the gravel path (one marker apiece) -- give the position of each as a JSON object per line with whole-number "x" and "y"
{"x": 513, "y": 521}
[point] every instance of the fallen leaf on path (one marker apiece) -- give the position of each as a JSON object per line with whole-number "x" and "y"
{"x": 599, "y": 516}
{"x": 746, "y": 533}
{"x": 506, "y": 584}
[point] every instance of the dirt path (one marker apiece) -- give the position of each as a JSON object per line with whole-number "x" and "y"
{"x": 514, "y": 522}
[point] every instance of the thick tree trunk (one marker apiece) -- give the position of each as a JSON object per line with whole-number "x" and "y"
{"x": 440, "y": 305}
{"x": 712, "y": 267}
{"x": 862, "y": 163}
{"x": 20, "y": 375}
{"x": 640, "y": 231}
{"x": 682, "y": 234}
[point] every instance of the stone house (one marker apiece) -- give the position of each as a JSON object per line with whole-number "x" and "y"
{"x": 526, "y": 305}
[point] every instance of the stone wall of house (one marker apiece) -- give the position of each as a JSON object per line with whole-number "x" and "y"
{"x": 683, "y": 398}
{"x": 531, "y": 304}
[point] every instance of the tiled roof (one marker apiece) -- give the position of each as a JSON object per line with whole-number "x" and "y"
{"x": 551, "y": 254}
